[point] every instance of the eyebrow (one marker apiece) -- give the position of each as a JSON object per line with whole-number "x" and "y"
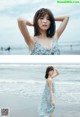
{"x": 47, "y": 16}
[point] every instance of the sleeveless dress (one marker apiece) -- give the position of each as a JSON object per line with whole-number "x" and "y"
{"x": 41, "y": 50}
{"x": 45, "y": 107}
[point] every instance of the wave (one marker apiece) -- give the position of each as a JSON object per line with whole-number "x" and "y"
{"x": 38, "y": 81}
{"x": 64, "y": 91}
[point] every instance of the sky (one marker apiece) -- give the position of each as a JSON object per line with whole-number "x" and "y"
{"x": 11, "y": 10}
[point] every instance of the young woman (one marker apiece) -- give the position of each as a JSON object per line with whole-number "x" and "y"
{"x": 47, "y": 103}
{"x": 44, "y": 41}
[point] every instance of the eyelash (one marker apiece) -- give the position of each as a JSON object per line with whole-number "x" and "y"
{"x": 42, "y": 18}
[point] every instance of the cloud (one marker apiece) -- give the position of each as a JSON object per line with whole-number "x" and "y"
{"x": 16, "y": 8}
{"x": 10, "y": 10}
{"x": 11, "y": 3}
{"x": 71, "y": 33}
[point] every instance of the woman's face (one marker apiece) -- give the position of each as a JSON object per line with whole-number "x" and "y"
{"x": 44, "y": 22}
{"x": 51, "y": 72}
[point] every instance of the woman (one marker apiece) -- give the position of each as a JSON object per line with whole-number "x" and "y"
{"x": 47, "y": 104}
{"x": 44, "y": 41}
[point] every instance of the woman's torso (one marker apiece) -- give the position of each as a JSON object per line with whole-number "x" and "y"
{"x": 39, "y": 49}
{"x": 46, "y": 87}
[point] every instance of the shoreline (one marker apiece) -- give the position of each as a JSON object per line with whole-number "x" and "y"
{"x": 23, "y": 52}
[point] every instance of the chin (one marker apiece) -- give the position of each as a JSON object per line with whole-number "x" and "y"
{"x": 44, "y": 29}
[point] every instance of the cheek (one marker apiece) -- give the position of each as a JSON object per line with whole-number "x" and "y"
{"x": 49, "y": 23}
{"x": 39, "y": 22}
{"x": 50, "y": 73}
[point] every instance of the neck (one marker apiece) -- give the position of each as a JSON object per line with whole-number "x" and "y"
{"x": 43, "y": 33}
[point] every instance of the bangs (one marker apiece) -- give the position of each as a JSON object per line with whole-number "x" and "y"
{"x": 51, "y": 68}
{"x": 42, "y": 13}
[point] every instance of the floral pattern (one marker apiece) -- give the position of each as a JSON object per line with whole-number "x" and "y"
{"x": 40, "y": 50}
{"x": 45, "y": 107}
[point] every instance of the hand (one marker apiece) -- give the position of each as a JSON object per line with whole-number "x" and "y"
{"x": 55, "y": 68}
{"x": 52, "y": 102}
{"x": 32, "y": 24}
{"x": 29, "y": 23}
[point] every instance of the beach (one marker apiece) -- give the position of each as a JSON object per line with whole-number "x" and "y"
{"x": 21, "y": 87}
{"x": 25, "y": 52}
{"x": 28, "y": 107}
{"x": 19, "y": 106}
{"x": 65, "y": 49}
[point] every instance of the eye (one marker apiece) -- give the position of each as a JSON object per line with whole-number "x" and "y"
{"x": 41, "y": 17}
{"x": 48, "y": 18}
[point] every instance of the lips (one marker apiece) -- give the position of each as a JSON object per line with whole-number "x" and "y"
{"x": 44, "y": 25}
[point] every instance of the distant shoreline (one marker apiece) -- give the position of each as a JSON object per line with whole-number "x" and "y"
{"x": 67, "y": 48}
{"x": 26, "y": 52}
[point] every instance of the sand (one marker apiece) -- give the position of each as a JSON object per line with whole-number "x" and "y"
{"x": 28, "y": 106}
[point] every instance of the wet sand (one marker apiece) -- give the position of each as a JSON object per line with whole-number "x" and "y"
{"x": 28, "y": 106}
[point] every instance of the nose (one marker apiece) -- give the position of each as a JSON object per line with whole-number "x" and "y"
{"x": 44, "y": 20}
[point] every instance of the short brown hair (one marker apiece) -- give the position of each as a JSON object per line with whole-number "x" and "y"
{"x": 40, "y": 13}
{"x": 50, "y": 68}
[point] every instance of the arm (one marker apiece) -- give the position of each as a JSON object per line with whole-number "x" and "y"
{"x": 29, "y": 23}
{"x": 51, "y": 92}
{"x": 64, "y": 20}
{"x": 22, "y": 26}
{"x": 56, "y": 74}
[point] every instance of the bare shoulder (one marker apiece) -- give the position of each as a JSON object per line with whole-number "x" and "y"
{"x": 34, "y": 38}
{"x": 55, "y": 37}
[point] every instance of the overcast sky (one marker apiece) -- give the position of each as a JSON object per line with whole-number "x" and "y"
{"x": 10, "y": 10}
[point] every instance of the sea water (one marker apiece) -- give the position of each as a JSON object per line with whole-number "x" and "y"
{"x": 65, "y": 48}
{"x": 28, "y": 80}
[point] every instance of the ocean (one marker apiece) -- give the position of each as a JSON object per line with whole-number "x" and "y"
{"x": 66, "y": 48}
{"x": 27, "y": 80}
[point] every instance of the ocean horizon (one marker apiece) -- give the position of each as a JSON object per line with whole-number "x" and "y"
{"x": 67, "y": 48}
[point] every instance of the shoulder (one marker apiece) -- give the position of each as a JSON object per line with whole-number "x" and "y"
{"x": 55, "y": 37}
{"x": 49, "y": 80}
{"x": 34, "y": 38}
